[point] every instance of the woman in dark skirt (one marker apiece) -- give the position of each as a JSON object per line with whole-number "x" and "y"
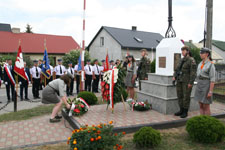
{"x": 54, "y": 93}
{"x": 206, "y": 80}
{"x": 131, "y": 76}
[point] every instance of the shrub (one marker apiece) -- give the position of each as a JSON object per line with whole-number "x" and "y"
{"x": 205, "y": 129}
{"x": 147, "y": 137}
{"x": 89, "y": 97}
{"x": 98, "y": 137}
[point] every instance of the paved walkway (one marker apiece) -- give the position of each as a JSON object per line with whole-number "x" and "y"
{"x": 98, "y": 114}
{"x": 33, "y": 131}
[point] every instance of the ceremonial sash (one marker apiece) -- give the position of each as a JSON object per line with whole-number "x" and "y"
{"x": 26, "y": 77}
{"x": 9, "y": 74}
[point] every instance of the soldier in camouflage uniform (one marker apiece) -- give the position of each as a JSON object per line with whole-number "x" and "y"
{"x": 143, "y": 67}
{"x": 185, "y": 74}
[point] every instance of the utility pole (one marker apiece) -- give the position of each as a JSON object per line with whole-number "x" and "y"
{"x": 209, "y": 23}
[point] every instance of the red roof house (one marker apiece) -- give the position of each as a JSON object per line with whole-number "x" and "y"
{"x": 33, "y": 43}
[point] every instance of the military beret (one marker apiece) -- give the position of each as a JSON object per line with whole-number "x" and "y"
{"x": 103, "y": 60}
{"x": 88, "y": 60}
{"x": 69, "y": 62}
{"x": 111, "y": 61}
{"x": 59, "y": 59}
{"x": 35, "y": 61}
{"x": 95, "y": 60}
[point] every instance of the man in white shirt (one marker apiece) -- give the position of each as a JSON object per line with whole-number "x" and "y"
{"x": 111, "y": 64}
{"x": 95, "y": 75}
{"x": 59, "y": 70}
{"x": 35, "y": 73}
{"x": 70, "y": 70}
{"x": 102, "y": 69}
{"x": 88, "y": 75}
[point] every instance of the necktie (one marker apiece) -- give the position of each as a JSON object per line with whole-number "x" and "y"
{"x": 89, "y": 68}
{"x": 97, "y": 68}
{"x": 60, "y": 69}
{"x": 203, "y": 63}
{"x": 36, "y": 72}
{"x": 71, "y": 71}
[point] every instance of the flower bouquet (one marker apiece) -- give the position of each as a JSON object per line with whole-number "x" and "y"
{"x": 139, "y": 106}
{"x": 78, "y": 106}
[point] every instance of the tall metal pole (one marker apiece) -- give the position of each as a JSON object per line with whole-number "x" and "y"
{"x": 170, "y": 33}
{"x": 209, "y": 6}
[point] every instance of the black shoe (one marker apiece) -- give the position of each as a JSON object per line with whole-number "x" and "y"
{"x": 58, "y": 117}
{"x": 0, "y": 102}
{"x": 54, "y": 120}
{"x": 38, "y": 97}
{"x": 185, "y": 113}
{"x": 179, "y": 112}
{"x": 21, "y": 99}
{"x": 27, "y": 99}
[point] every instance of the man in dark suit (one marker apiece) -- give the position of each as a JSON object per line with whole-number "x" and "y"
{"x": 24, "y": 83}
{"x": 9, "y": 79}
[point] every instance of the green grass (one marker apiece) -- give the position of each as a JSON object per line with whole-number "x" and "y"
{"x": 27, "y": 113}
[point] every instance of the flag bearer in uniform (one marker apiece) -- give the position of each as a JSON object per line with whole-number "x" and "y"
{"x": 95, "y": 75}
{"x": 35, "y": 73}
{"x": 9, "y": 79}
{"x": 51, "y": 70}
{"x": 88, "y": 75}
{"x": 24, "y": 83}
{"x": 59, "y": 69}
{"x": 70, "y": 70}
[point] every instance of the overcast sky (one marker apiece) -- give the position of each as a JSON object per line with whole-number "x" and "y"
{"x": 64, "y": 17}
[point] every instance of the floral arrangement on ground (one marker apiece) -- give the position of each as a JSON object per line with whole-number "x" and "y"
{"x": 139, "y": 106}
{"x": 100, "y": 137}
{"x": 78, "y": 106}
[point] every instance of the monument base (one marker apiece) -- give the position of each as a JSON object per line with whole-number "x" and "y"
{"x": 159, "y": 91}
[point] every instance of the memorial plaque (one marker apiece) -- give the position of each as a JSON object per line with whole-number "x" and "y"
{"x": 177, "y": 57}
{"x": 162, "y": 62}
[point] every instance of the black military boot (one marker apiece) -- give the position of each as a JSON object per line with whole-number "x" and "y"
{"x": 185, "y": 113}
{"x": 179, "y": 112}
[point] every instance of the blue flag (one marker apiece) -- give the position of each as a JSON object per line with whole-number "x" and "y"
{"x": 45, "y": 70}
{"x": 79, "y": 64}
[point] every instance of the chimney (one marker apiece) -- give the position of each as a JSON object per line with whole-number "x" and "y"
{"x": 15, "y": 30}
{"x": 134, "y": 28}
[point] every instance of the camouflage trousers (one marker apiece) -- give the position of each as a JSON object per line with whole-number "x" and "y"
{"x": 183, "y": 94}
{"x": 139, "y": 79}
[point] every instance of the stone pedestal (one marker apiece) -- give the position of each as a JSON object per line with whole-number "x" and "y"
{"x": 159, "y": 91}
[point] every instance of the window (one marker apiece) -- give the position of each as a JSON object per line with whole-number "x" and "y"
{"x": 138, "y": 40}
{"x": 101, "y": 41}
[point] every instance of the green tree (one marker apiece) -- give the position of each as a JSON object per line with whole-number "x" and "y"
{"x": 73, "y": 57}
{"x": 196, "y": 55}
{"x": 28, "y": 29}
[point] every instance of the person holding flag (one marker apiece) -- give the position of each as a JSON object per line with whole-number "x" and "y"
{"x": 9, "y": 79}
{"x": 23, "y": 82}
{"x": 46, "y": 70}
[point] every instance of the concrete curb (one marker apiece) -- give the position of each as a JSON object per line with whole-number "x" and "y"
{"x": 130, "y": 129}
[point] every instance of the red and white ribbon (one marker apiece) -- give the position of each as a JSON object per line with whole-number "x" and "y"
{"x": 111, "y": 91}
{"x": 85, "y": 103}
{"x": 9, "y": 74}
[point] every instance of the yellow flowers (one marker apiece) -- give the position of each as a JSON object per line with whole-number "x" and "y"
{"x": 69, "y": 138}
{"x": 75, "y": 148}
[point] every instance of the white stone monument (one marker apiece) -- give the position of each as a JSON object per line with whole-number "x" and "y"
{"x": 168, "y": 54}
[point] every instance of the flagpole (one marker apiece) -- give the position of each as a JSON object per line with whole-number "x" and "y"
{"x": 17, "y": 87}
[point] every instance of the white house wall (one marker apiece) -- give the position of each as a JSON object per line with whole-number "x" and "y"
{"x": 99, "y": 52}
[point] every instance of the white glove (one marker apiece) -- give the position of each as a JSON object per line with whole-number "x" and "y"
{"x": 2, "y": 81}
{"x": 6, "y": 83}
{"x": 29, "y": 82}
{"x": 20, "y": 83}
